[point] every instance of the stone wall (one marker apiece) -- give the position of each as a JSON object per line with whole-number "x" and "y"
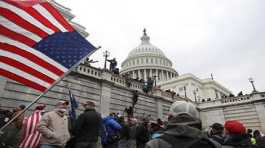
{"x": 108, "y": 91}
{"x": 249, "y": 109}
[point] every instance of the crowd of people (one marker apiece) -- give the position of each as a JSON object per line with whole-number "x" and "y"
{"x": 183, "y": 129}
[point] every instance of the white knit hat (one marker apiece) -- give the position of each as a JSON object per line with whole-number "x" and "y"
{"x": 184, "y": 108}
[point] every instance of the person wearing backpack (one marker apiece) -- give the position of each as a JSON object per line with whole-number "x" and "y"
{"x": 183, "y": 129}
{"x": 111, "y": 132}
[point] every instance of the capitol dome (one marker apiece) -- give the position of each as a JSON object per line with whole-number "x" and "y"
{"x": 146, "y": 60}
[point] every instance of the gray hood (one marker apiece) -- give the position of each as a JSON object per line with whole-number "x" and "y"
{"x": 184, "y": 131}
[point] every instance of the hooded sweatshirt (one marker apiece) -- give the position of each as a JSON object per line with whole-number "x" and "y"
{"x": 184, "y": 135}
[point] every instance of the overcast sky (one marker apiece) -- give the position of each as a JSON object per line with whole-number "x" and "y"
{"x": 223, "y": 37}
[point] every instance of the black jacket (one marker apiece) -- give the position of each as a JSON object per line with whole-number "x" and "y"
{"x": 125, "y": 131}
{"x": 87, "y": 126}
{"x": 217, "y": 138}
{"x": 142, "y": 134}
{"x": 237, "y": 141}
{"x": 260, "y": 142}
{"x": 3, "y": 115}
{"x": 182, "y": 136}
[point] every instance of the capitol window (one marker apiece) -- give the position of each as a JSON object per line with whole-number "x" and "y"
{"x": 146, "y": 60}
{"x": 152, "y": 61}
{"x": 137, "y": 61}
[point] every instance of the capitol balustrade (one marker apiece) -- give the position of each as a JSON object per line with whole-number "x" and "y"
{"x": 236, "y": 99}
{"x": 89, "y": 71}
{"x": 224, "y": 101}
{"x": 170, "y": 96}
{"x": 122, "y": 81}
{"x": 109, "y": 76}
{"x": 126, "y": 82}
{"x": 258, "y": 96}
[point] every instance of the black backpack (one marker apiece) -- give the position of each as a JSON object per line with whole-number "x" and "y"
{"x": 184, "y": 142}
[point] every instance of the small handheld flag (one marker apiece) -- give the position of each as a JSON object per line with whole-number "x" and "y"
{"x": 73, "y": 106}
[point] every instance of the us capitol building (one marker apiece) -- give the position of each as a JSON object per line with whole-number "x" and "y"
{"x": 147, "y": 61}
{"x": 111, "y": 92}
{"x": 215, "y": 102}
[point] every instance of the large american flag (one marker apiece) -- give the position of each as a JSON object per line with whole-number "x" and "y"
{"x": 37, "y": 44}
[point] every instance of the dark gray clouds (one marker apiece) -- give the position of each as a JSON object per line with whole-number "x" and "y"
{"x": 223, "y": 37}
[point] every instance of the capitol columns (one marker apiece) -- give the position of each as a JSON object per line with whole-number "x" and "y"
{"x": 162, "y": 74}
{"x": 134, "y": 74}
{"x": 145, "y": 76}
{"x": 157, "y": 74}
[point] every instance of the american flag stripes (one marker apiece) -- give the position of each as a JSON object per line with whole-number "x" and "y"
{"x": 37, "y": 45}
{"x": 31, "y": 136}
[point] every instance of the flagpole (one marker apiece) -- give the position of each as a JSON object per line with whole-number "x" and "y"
{"x": 41, "y": 95}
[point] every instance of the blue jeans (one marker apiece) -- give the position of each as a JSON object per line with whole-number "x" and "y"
{"x": 49, "y": 146}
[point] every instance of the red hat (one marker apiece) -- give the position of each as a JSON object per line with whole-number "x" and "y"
{"x": 235, "y": 127}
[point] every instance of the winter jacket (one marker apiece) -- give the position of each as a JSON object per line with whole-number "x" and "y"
{"x": 5, "y": 115}
{"x": 237, "y": 141}
{"x": 111, "y": 127}
{"x": 217, "y": 138}
{"x": 142, "y": 134}
{"x": 54, "y": 129}
{"x": 87, "y": 126}
{"x": 260, "y": 142}
{"x": 125, "y": 131}
{"x": 19, "y": 120}
{"x": 182, "y": 136}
